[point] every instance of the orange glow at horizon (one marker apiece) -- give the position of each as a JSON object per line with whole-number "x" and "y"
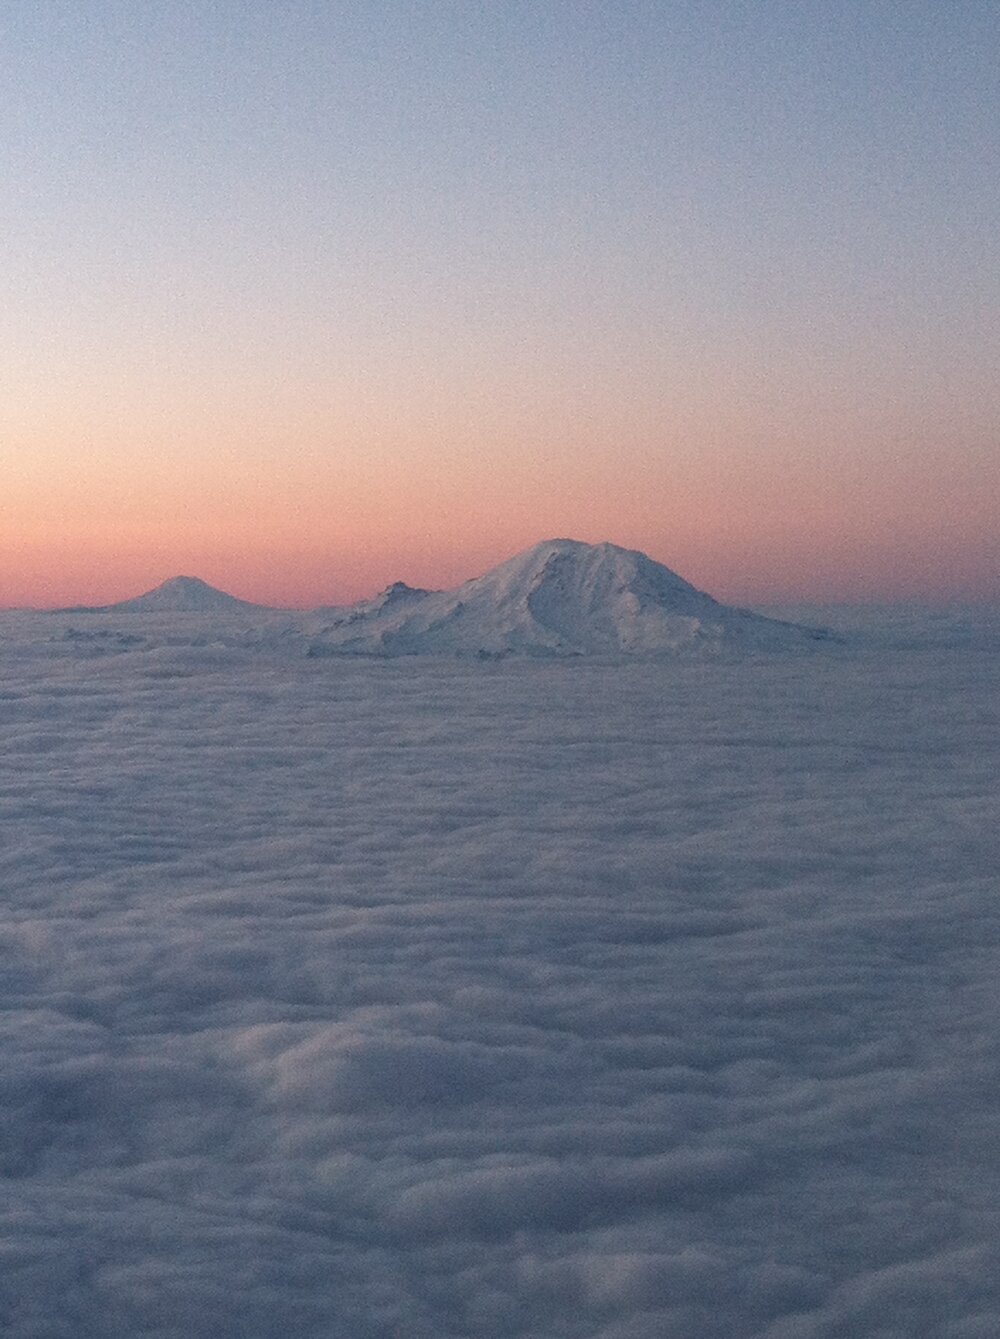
{"x": 751, "y": 521}
{"x": 396, "y": 300}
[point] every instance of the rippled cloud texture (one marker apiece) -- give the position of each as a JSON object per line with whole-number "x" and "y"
{"x": 438, "y": 999}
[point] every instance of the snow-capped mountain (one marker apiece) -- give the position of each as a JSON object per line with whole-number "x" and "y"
{"x": 182, "y": 595}
{"x": 396, "y": 597}
{"x": 561, "y": 597}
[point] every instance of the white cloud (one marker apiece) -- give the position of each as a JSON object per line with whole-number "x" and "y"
{"x": 445, "y": 999}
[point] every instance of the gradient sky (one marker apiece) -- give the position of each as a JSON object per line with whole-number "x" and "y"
{"x": 305, "y": 297}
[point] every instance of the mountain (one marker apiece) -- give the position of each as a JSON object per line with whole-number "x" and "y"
{"x": 559, "y": 598}
{"x": 181, "y": 595}
{"x": 394, "y": 598}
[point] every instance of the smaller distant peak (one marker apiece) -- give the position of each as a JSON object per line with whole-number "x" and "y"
{"x": 184, "y": 583}
{"x": 184, "y": 594}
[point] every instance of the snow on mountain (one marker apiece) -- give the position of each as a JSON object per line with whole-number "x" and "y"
{"x": 182, "y": 595}
{"x": 394, "y": 598}
{"x": 560, "y": 598}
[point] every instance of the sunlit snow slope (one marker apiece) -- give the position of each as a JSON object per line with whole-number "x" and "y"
{"x": 561, "y": 597}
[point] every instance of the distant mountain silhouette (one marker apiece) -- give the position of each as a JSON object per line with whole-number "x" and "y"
{"x": 179, "y": 595}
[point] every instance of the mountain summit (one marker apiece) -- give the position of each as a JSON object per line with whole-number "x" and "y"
{"x": 182, "y": 595}
{"x": 559, "y": 598}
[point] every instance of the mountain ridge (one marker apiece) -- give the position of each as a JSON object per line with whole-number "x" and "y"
{"x": 560, "y": 597}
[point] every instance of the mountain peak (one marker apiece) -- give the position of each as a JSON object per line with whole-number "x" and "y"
{"x": 185, "y": 585}
{"x": 399, "y": 590}
{"x": 559, "y": 597}
{"x": 183, "y": 594}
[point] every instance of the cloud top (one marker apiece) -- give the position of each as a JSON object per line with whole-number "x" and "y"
{"x": 603, "y": 1000}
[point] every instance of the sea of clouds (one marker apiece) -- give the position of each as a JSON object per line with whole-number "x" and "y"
{"x": 442, "y": 1000}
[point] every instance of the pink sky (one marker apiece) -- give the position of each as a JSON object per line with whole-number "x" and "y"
{"x": 307, "y": 301}
{"x": 753, "y": 516}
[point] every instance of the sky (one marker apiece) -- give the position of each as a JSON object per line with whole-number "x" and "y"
{"x": 303, "y": 298}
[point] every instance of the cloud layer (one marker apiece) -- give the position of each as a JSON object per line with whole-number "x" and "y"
{"x": 438, "y": 999}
